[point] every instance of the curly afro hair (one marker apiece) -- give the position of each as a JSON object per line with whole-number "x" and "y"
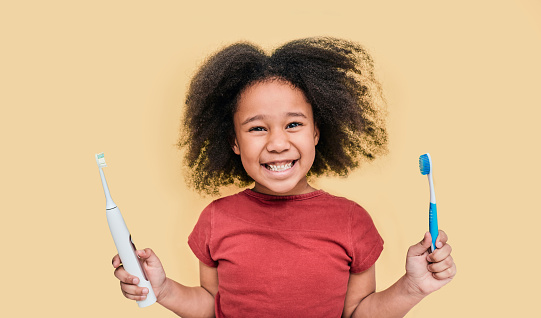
{"x": 337, "y": 78}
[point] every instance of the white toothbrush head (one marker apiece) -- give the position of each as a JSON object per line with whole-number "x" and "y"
{"x": 100, "y": 160}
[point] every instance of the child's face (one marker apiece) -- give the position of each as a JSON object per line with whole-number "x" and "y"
{"x": 275, "y": 136}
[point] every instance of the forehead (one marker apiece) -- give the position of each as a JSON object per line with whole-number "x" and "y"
{"x": 273, "y": 97}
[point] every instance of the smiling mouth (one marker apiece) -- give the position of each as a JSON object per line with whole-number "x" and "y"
{"x": 281, "y": 167}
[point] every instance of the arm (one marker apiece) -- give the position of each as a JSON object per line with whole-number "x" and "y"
{"x": 360, "y": 286}
{"x": 425, "y": 273}
{"x": 182, "y": 300}
{"x": 192, "y": 301}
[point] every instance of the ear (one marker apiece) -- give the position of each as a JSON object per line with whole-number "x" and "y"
{"x": 235, "y": 146}
{"x": 316, "y": 135}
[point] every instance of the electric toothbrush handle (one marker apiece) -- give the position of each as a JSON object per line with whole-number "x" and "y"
{"x": 126, "y": 252}
{"x": 433, "y": 225}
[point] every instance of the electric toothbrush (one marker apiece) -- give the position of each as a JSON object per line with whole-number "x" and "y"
{"x": 425, "y": 165}
{"x": 122, "y": 238}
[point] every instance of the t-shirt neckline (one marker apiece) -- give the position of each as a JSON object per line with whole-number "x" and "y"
{"x": 270, "y": 197}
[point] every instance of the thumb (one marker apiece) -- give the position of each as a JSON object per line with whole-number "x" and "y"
{"x": 147, "y": 255}
{"x": 421, "y": 247}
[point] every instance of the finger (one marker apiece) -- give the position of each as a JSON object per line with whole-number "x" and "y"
{"x": 116, "y": 261}
{"x": 440, "y": 254}
{"x": 421, "y": 247}
{"x": 133, "y": 290}
{"x": 441, "y": 266}
{"x": 442, "y": 239}
{"x": 125, "y": 277}
{"x": 446, "y": 274}
{"x": 144, "y": 254}
{"x": 134, "y": 297}
{"x": 149, "y": 257}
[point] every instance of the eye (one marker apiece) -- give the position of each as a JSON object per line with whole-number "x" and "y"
{"x": 258, "y": 128}
{"x": 293, "y": 125}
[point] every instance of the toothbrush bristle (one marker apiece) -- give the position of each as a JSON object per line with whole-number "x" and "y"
{"x": 424, "y": 164}
{"x": 100, "y": 159}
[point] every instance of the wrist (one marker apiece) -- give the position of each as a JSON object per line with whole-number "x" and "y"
{"x": 164, "y": 291}
{"x": 410, "y": 289}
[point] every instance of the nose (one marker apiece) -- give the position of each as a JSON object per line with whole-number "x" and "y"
{"x": 278, "y": 141}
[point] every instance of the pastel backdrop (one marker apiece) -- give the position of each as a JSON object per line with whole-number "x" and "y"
{"x": 76, "y": 78}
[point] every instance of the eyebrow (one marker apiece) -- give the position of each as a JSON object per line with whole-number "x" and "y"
{"x": 251, "y": 119}
{"x": 260, "y": 117}
{"x": 292, "y": 114}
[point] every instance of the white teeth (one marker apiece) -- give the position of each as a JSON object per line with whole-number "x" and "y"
{"x": 280, "y": 167}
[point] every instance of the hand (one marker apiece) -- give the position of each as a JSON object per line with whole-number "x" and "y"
{"x": 426, "y": 272}
{"x": 153, "y": 269}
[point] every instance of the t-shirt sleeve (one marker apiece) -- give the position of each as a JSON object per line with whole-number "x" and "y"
{"x": 200, "y": 238}
{"x": 366, "y": 242}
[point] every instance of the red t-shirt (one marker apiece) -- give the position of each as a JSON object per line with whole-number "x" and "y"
{"x": 285, "y": 256}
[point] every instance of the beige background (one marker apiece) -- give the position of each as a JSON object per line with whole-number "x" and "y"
{"x": 76, "y": 78}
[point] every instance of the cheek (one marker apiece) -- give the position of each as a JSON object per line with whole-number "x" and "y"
{"x": 311, "y": 153}
{"x": 248, "y": 157}
{"x": 310, "y": 143}
{"x": 250, "y": 165}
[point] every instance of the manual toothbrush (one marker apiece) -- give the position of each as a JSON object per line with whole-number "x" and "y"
{"x": 425, "y": 165}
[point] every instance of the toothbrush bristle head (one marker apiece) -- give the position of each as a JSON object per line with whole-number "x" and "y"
{"x": 100, "y": 160}
{"x": 425, "y": 164}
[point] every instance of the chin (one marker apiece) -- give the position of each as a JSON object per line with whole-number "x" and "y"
{"x": 280, "y": 189}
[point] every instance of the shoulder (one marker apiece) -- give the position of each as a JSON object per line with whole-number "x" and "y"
{"x": 344, "y": 203}
{"x": 221, "y": 204}
{"x": 357, "y": 216}
{"x": 229, "y": 201}
{"x": 225, "y": 204}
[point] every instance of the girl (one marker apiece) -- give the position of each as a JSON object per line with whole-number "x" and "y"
{"x": 283, "y": 248}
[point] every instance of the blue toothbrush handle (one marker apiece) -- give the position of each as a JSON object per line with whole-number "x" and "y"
{"x": 433, "y": 224}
